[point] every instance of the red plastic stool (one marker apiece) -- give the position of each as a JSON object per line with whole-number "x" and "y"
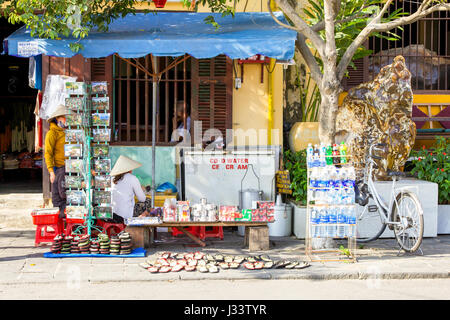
{"x": 216, "y": 232}
{"x": 109, "y": 227}
{"x": 43, "y": 234}
{"x": 193, "y": 230}
{"x": 72, "y": 224}
{"x": 48, "y": 226}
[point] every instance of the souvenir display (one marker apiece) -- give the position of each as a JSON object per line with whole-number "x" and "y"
{"x": 102, "y": 197}
{"x": 75, "y": 88}
{"x": 102, "y": 165}
{"x": 103, "y": 212}
{"x": 73, "y": 150}
{"x": 76, "y": 212}
{"x": 75, "y": 103}
{"x": 100, "y": 119}
{"x": 183, "y": 211}
{"x": 100, "y": 103}
{"x": 100, "y": 150}
{"x": 74, "y": 166}
{"x": 102, "y": 182}
{"x": 74, "y": 135}
{"x": 75, "y": 197}
{"x": 74, "y": 119}
{"x": 101, "y": 135}
{"x": 228, "y": 213}
{"x": 99, "y": 87}
{"x": 73, "y": 182}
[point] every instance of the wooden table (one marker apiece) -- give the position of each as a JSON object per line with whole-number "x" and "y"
{"x": 256, "y": 233}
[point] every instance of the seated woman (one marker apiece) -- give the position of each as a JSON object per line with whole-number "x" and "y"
{"x": 125, "y": 187}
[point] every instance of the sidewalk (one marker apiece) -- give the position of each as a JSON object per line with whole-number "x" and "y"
{"x": 21, "y": 262}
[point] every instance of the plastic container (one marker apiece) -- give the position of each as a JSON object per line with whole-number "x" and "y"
{"x": 282, "y": 226}
{"x": 40, "y": 218}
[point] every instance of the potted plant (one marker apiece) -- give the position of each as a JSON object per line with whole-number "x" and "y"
{"x": 433, "y": 165}
{"x": 295, "y": 163}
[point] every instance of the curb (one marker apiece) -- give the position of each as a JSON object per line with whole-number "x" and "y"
{"x": 248, "y": 276}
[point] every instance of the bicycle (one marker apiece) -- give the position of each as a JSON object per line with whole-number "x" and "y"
{"x": 403, "y": 214}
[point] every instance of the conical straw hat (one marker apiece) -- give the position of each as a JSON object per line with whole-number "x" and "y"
{"x": 60, "y": 110}
{"x": 124, "y": 164}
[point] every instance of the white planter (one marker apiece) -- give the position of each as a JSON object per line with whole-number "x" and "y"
{"x": 299, "y": 221}
{"x": 443, "y": 219}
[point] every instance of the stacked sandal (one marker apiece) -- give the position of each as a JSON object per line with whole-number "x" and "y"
{"x": 84, "y": 244}
{"x": 57, "y": 244}
{"x": 66, "y": 244}
{"x": 114, "y": 247}
{"x": 125, "y": 243}
{"x": 74, "y": 245}
{"x": 104, "y": 243}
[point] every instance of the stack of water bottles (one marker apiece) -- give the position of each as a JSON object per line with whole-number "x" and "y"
{"x": 331, "y": 192}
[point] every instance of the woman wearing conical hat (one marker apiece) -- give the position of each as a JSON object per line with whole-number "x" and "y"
{"x": 125, "y": 187}
{"x": 54, "y": 156}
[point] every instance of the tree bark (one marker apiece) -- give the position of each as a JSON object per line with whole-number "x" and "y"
{"x": 327, "y": 113}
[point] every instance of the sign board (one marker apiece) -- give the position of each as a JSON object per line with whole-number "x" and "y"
{"x": 27, "y": 49}
{"x": 219, "y": 176}
{"x": 283, "y": 182}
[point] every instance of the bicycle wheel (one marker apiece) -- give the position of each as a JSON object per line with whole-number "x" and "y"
{"x": 409, "y": 213}
{"x": 370, "y": 225}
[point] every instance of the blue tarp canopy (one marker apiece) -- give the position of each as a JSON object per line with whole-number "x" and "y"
{"x": 171, "y": 34}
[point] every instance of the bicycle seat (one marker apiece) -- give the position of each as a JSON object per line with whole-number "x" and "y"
{"x": 391, "y": 173}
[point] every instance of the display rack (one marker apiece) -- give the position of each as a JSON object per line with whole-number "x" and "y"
{"x": 316, "y": 238}
{"x": 81, "y": 161}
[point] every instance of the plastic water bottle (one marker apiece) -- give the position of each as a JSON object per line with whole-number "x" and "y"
{"x": 333, "y": 177}
{"x": 316, "y": 157}
{"x": 323, "y": 151}
{"x": 351, "y": 220}
{"x": 341, "y": 231}
{"x": 332, "y": 219}
{"x": 309, "y": 155}
{"x": 351, "y": 176}
{"x": 323, "y": 222}
{"x": 314, "y": 223}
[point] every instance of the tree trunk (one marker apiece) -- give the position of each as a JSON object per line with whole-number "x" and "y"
{"x": 327, "y": 114}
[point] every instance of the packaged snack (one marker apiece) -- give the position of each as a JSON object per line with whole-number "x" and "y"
{"x": 73, "y": 150}
{"x": 227, "y": 213}
{"x": 246, "y": 215}
{"x": 103, "y": 212}
{"x": 74, "y": 166}
{"x": 170, "y": 210}
{"x": 74, "y": 135}
{"x": 183, "y": 211}
{"x": 76, "y": 212}
{"x": 102, "y": 165}
{"x": 74, "y": 182}
{"x": 75, "y": 197}
{"x": 99, "y": 87}
{"x": 100, "y": 150}
{"x": 100, "y": 103}
{"x": 75, "y": 88}
{"x": 102, "y": 197}
{"x": 74, "y": 119}
{"x": 75, "y": 103}
{"x": 101, "y": 135}
{"x": 100, "y": 119}
{"x": 102, "y": 182}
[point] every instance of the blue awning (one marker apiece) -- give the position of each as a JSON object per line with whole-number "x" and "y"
{"x": 171, "y": 34}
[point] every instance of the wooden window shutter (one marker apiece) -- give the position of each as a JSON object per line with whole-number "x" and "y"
{"x": 356, "y": 76}
{"x": 212, "y": 91}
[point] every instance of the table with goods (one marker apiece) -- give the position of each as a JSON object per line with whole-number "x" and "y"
{"x": 183, "y": 214}
{"x": 331, "y": 212}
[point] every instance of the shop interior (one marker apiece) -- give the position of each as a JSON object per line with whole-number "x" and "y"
{"x": 20, "y": 154}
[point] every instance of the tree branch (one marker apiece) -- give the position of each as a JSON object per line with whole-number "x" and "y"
{"x": 375, "y": 26}
{"x": 303, "y": 27}
{"x": 278, "y": 21}
{"x": 311, "y": 62}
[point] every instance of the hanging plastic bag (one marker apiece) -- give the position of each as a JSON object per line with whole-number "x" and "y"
{"x": 54, "y": 94}
{"x": 166, "y": 186}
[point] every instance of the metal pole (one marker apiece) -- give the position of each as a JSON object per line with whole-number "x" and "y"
{"x": 155, "y": 87}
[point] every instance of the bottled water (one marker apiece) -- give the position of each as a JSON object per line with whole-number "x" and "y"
{"x": 341, "y": 231}
{"x": 322, "y": 156}
{"x": 316, "y": 157}
{"x": 314, "y": 223}
{"x": 313, "y": 178}
{"x": 351, "y": 176}
{"x": 351, "y": 220}
{"x": 332, "y": 219}
{"x": 309, "y": 155}
{"x": 323, "y": 223}
{"x": 333, "y": 177}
